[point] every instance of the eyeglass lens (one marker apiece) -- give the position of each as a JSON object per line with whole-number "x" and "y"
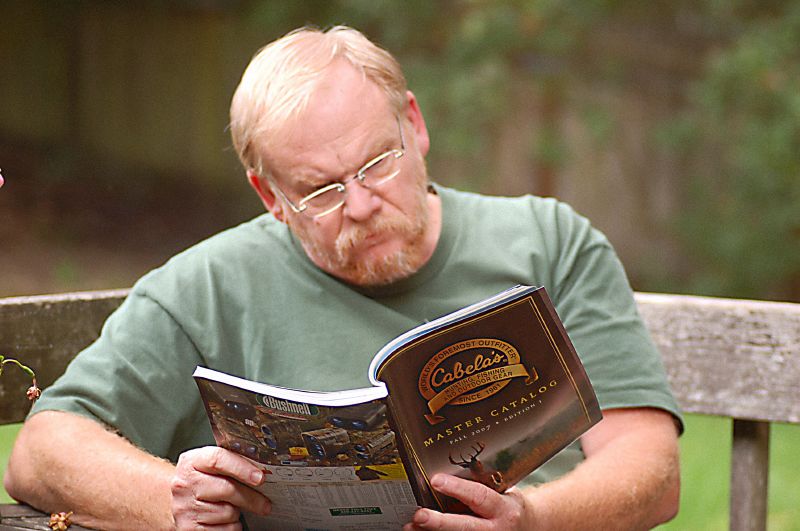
{"x": 379, "y": 171}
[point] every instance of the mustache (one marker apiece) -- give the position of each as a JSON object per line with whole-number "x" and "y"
{"x": 357, "y": 234}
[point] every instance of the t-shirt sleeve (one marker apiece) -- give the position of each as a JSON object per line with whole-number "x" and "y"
{"x": 593, "y": 297}
{"x": 137, "y": 378}
{"x": 592, "y": 294}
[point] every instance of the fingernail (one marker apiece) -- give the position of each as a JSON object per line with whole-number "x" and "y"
{"x": 256, "y": 477}
{"x": 421, "y": 517}
{"x": 437, "y": 482}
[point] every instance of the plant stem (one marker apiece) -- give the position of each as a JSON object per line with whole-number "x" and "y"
{"x": 4, "y": 360}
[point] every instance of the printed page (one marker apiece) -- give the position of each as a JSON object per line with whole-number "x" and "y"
{"x": 327, "y": 467}
{"x": 331, "y": 398}
{"x": 343, "y": 498}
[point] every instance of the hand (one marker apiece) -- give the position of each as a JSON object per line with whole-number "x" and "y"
{"x": 493, "y": 511}
{"x": 212, "y": 486}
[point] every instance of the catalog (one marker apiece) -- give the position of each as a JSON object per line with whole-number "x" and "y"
{"x": 488, "y": 393}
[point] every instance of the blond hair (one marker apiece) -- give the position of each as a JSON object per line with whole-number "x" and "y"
{"x": 277, "y": 84}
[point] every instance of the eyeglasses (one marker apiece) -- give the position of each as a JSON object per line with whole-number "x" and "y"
{"x": 376, "y": 172}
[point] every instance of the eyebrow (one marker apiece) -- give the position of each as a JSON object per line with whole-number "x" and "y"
{"x": 312, "y": 182}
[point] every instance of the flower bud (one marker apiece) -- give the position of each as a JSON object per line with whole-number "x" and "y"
{"x": 34, "y": 392}
{"x": 60, "y": 521}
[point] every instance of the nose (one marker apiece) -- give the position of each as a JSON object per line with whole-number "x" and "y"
{"x": 360, "y": 203}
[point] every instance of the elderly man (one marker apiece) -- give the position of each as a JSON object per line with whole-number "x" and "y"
{"x": 357, "y": 247}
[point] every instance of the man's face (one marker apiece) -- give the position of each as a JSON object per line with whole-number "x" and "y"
{"x": 380, "y": 234}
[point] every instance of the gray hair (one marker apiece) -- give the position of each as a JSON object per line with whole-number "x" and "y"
{"x": 277, "y": 84}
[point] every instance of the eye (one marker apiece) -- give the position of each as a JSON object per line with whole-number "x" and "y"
{"x": 329, "y": 184}
{"x": 383, "y": 162}
{"x": 310, "y": 188}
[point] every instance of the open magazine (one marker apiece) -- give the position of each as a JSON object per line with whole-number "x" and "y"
{"x": 489, "y": 393}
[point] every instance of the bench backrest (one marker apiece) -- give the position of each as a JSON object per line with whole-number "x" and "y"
{"x": 728, "y": 357}
{"x": 738, "y": 359}
{"x": 45, "y": 332}
{"x": 725, "y": 357}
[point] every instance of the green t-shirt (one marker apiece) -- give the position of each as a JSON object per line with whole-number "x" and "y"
{"x": 249, "y": 302}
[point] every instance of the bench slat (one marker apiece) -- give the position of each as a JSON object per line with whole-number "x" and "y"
{"x": 723, "y": 357}
{"x": 15, "y": 517}
{"x": 727, "y": 357}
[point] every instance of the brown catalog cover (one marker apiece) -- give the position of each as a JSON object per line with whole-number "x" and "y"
{"x": 490, "y": 396}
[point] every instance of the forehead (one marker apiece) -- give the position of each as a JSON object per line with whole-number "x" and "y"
{"x": 346, "y": 119}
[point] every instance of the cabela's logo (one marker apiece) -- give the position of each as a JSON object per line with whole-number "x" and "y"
{"x": 469, "y": 371}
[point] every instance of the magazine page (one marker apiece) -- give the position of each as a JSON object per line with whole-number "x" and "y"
{"x": 321, "y": 398}
{"x": 491, "y": 395}
{"x": 327, "y": 466}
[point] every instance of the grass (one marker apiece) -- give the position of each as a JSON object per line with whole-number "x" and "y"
{"x": 7, "y": 435}
{"x": 705, "y": 470}
{"x": 705, "y": 474}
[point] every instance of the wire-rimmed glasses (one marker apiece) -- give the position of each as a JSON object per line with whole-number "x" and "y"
{"x": 329, "y": 198}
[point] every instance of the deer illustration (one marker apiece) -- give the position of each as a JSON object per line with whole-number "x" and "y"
{"x": 491, "y": 478}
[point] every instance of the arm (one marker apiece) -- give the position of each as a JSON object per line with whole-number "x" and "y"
{"x": 629, "y": 480}
{"x": 65, "y": 462}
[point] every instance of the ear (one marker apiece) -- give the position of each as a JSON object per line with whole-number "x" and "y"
{"x": 414, "y": 115}
{"x": 265, "y": 194}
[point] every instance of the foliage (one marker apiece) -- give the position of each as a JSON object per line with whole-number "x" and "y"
{"x": 742, "y": 218}
{"x": 463, "y": 60}
{"x": 519, "y": 95}
{"x": 468, "y": 61}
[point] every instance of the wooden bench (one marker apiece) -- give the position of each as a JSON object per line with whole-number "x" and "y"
{"x": 729, "y": 358}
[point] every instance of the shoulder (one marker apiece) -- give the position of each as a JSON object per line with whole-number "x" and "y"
{"x": 256, "y": 235}
{"x": 220, "y": 259}
{"x": 547, "y": 218}
{"x": 545, "y": 207}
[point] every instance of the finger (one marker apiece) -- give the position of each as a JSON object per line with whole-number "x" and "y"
{"x": 221, "y": 462}
{"x": 216, "y": 514}
{"x": 222, "y": 490}
{"x": 482, "y": 500}
{"x": 206, "y": 527}
{"x": 219, "y": 517}
{"x": 214, "y": 475}
{"x": 189, "y": 509}
{"x": 429, "y": 519}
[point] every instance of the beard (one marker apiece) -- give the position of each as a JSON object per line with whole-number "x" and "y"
{"x": 410, "y": 227}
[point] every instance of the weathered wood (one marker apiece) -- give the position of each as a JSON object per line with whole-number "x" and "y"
{"x": 725, "y": 357}
{"x": 45, "y": 332}
{"x": 733, "y": 358}
{"x": 749, "y": 476}
{"x": 17, "y": 517}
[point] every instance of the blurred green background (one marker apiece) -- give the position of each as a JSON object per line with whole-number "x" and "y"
{"x": 674, "y": 126}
